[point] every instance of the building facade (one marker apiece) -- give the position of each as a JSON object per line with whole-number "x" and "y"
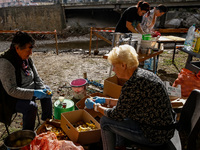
{"x": 7, "y": 3}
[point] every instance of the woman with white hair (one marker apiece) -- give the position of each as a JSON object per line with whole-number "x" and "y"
{"x": 143, "y": 112}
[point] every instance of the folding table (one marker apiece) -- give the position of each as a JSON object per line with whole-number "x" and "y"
{"x": 171, "y": 39}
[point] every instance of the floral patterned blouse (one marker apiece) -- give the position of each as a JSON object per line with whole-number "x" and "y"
{"x": 144, "y": 99}
{"x": 146, "y": 22}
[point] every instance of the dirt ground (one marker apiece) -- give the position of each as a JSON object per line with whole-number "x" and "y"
{"x": 57, "y": 71}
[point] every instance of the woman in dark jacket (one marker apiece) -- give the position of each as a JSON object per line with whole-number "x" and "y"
{"x": 20, "y": 83}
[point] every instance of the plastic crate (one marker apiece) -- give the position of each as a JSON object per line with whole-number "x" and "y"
{"x": 193, "y": 66}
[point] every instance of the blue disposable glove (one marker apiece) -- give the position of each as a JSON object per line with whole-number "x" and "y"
{"x": 100, "y": 100}
{"x": 89, "y": 103}
{"x": 41, "y": 94}
{"x": 48, "y": 92}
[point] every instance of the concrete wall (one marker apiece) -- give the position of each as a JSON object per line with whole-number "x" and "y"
{"x": 36, "y": 18}
{"x": 92, "y": 18}
{"x": 51, "y": 17}
{"x": 175, "y": 18}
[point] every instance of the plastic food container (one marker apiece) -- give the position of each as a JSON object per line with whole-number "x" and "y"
{"x": 146, "y": 37}
{"x": 146, "y": 44}
{"x": 79, "y": 88}
{"x": 61, "y": 107}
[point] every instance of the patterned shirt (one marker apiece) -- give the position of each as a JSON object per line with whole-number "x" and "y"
{"x": 146, "y": 22}
{"x": 144, "y": 99}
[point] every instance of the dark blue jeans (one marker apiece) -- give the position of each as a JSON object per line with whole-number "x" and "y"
{"x": 114, "y": 133}
{"x": 29, "y": 110}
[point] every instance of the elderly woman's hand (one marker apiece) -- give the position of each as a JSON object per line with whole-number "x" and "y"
{"x": 89, "y": 103}
{"x": 100, "y": 100}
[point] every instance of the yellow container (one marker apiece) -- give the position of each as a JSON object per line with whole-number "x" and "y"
{"x": 197, "y": 47}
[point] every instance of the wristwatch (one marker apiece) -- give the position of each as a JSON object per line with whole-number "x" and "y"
{"x": 96, "y": 106}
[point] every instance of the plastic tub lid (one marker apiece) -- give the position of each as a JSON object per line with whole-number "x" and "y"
{"x": 78, "y": 83}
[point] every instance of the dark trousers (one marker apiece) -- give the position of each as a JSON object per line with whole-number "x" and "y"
{"x": 29, "y": 110}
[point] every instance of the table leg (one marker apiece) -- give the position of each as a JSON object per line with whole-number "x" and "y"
{"x": 154, "y": 65}
{"x": 173, "y": 57}
{"x": 174, "y": 52}
{"x": 188, "y": 62}
{"x": 159, "y": 45}
{"x": 110, "y": 71}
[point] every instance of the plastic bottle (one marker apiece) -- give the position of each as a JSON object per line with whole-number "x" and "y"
{"x": 196, "y": 35}
{"x": 189, "y": 38}
{"x": 197, "y": 47}
{"x": 148, "y": 64}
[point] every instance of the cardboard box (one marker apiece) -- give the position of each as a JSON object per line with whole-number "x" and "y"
{"x": 178, "y": 103}
{"x": 81, "y": 105}
{"x": 53, "y": 126}
{"x": 41, "y": 128}
{"x": 83, "y": 138}
{"x": 173, "y": 91}
{"x": 113, "y": 86}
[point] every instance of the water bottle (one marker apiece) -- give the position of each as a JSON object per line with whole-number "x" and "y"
{"x": 189, "y": 38}
{"x": 148, "y": 64}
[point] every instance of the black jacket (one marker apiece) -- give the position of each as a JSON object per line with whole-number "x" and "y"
{"x": 7, "y": 102}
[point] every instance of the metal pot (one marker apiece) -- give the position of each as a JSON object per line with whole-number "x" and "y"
{"x": 133, "y": 39}
{"x": 10, "y": 140}
{"x": 117, "y": 39}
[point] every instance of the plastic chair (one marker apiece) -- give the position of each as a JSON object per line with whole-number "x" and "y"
{"x": 173, "y": 144}
{"x": 187, "y": 127}
{"x": 6, "y": 126}
{"x": 189, "y": 123}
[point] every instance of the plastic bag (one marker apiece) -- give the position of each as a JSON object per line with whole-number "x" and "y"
{"x": 49, "y": 141}
{"x": 155, "y": 34}
{"x": 188, "y": 81}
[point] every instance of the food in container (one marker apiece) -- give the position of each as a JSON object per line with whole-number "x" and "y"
{"x": 19, "y": 139}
